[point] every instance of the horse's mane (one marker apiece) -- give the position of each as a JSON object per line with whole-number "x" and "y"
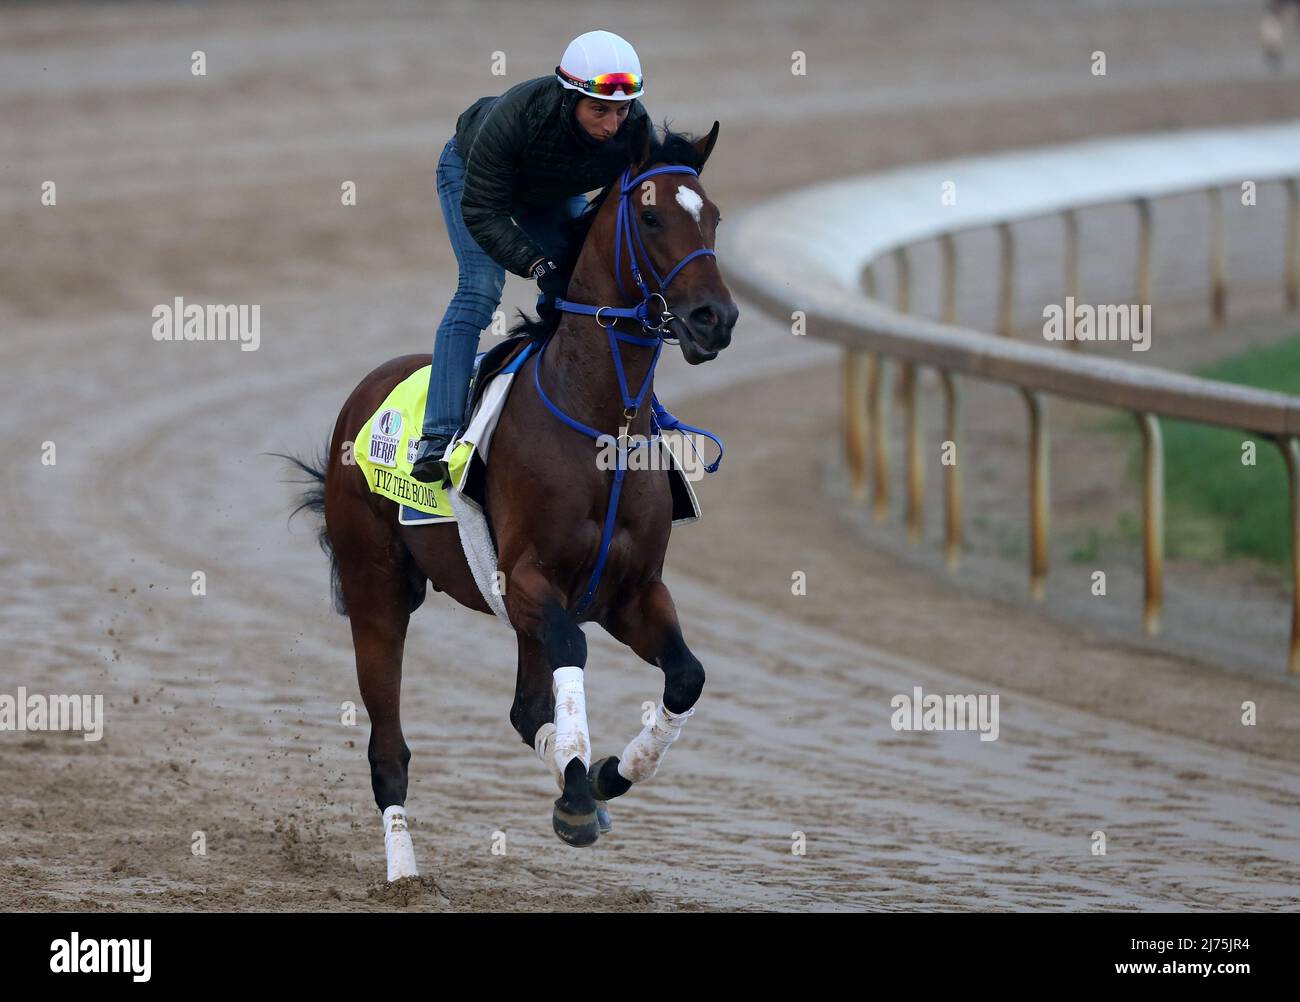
{"x": 677, "y": 148}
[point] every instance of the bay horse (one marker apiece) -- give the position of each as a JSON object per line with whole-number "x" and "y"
{"x": 576, "y": 543}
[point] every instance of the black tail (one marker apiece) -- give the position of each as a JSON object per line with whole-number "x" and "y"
{"x": 313, "y": 500}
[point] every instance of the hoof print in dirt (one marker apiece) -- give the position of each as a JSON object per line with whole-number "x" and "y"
{"x": 409, "y": 891}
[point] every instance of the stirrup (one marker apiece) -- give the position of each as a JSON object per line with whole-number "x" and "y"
{"x": 432, "y": 467}
{"x": 435, "y": 471}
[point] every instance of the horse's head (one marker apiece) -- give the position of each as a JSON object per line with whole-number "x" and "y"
{"x": 673, "y": 217}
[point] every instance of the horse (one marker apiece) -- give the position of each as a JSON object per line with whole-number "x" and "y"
{"x": 576, "y": 543}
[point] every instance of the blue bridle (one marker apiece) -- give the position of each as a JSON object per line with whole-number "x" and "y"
{"x": 627, "y": 231}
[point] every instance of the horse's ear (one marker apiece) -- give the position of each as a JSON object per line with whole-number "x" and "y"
{"x": 705, "y": 146}
{"x": 639, "y": 142}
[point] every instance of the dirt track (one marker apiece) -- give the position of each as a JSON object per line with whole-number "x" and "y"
{"x": 223, "y": 710}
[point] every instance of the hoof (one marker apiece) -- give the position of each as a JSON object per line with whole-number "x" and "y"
{"x": 575, "y": 829}
{"x": 613, "y": 785}
{"x": 574, "y": 818}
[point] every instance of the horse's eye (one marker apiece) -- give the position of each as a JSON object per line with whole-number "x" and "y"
{"x": 649, "y": 218}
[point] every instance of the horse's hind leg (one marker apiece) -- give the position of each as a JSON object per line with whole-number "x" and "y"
{"x": 372, "y": 570}
{"x": 649, "y": 626}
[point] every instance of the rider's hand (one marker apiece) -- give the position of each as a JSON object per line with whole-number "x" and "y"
{"x": 550, "y": 280}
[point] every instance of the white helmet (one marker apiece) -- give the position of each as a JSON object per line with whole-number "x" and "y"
{"x": 602, "y": 65}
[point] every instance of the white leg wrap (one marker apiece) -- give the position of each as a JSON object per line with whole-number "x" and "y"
{"x": 544, "y": 745}
{"x": 571, "y": 737}
{"x": 397, "y": 844}
{"x": 640, "y": 759}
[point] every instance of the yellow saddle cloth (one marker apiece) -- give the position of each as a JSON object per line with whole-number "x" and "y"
{"x": 386, "y": 445}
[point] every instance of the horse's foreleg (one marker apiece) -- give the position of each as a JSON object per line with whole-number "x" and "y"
{"x": 649, "y": 626}
{"x": 553, "y": 657}
{"x": 565, "y": 648}
{"x": 533, "y": 715}
{"x": 533, "y": 712}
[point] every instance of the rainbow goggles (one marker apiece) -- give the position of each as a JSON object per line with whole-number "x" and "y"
{"x": 607, "y": 84}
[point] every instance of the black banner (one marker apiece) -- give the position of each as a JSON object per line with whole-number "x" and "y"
{"x": 1228, "y": 952}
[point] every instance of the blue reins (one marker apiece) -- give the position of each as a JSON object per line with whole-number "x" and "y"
{"x": 626, "y": 230}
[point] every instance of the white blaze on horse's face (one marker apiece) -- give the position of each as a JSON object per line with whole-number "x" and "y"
{"x": 689, "y": 199}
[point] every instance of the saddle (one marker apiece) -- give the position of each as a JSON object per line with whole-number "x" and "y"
{"x": 489, "y": 364}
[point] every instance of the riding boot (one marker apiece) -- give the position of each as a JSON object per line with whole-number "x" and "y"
{"x": 429, "y": 466}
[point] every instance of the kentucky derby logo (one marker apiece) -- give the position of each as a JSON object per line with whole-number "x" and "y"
{"x": 384, "y": 437}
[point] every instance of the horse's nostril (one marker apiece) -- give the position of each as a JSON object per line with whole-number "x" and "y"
{"x": 705, "y": 317}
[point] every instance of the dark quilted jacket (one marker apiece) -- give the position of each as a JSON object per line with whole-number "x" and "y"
{"x": 526, "y": 148}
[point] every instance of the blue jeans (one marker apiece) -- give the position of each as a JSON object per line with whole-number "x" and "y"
{"x": 478, "y": 292}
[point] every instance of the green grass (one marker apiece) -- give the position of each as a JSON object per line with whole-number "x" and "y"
{"x": 1217, "y": 507}
{"x": 1088, "y": 550}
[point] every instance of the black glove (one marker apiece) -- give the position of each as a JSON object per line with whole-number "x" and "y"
{"x": 547, "y": 312}
{"x": 550, "y": 280}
